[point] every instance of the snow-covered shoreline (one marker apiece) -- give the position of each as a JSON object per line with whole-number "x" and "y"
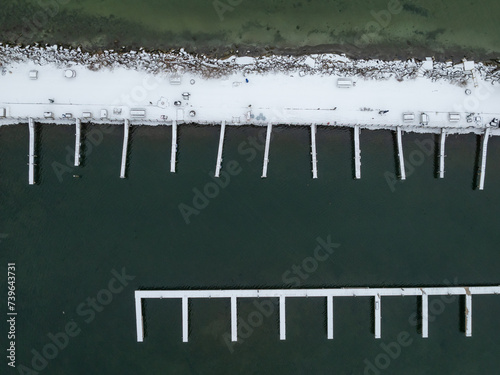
{"x": 183, "y": 62}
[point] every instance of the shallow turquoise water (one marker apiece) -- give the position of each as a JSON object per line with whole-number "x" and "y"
{"x": 67, "y": 237}
{"x": 366, "y": 28}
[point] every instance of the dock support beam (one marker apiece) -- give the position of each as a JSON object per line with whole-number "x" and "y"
{"x": 31, "y": 162}
{"x": 282, "y": 318}
{"x": 313, "y": 151}
{"x": 378, "y": 316}
{"x": 184, "y": 319}
{"x": 174, "y": 146}
{"x": 402, "y": 172}
{"x": 78, "y": 141}
{"x": 329, "y": 316}
{"x": 468, "y": 315}
{"x": 221, "y": 145}
{"x": 139, "y": 319}
{"x": 357, "y": 153}
{"x": 425, "y": 316}
{"x": 441, "y": 153}
{"x": 126, "y": 128}
{"x": 266, "y": 151}
{"x": 234, "y": 320}
{"x": 484, "y": 153}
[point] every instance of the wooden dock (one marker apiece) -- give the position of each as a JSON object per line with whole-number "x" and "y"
{"x": 329, "y": 294}
{"x": 357, "y": 153}
{"x": 441, "y": 153}
{"x": 484, "y": 153}
{"x": 266, "y": 150}
{"x": 313, "y": 151}
{"x": 78, "y": 141}
{"x": 174, "y": 147}
{"x": 126, "y": 128}
{"x": 402, "y": 172}
{"x": 31, "y": 162}
{"x": 425, "y": 316}
{"x": 219, "y": 152}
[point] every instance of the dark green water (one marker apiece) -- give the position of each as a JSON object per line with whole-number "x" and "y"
{"x": 67, "y": 237}
{"x": 365, "y": 28}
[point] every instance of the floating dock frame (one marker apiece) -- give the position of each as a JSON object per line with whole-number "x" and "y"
{"x": 313, "y": 151}
{"x": 282, "y": 294}
{"x": 484, "y": 154}
{"x": 174, "y": 147}
{"x": 357, "y": 153}
{"x": 441, "y": 153}
{"x": 78, "y": 141}
{"x": 31, "y": 162}
{"x": 219, "y": 152}
{"x": 266, "y": 151}
{"x": 402, "y": 172}
{"x": 126, "y": 128}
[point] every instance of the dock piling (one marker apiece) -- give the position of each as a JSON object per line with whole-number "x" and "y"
{"x": 78, "y": 141}
{"x": 402, "y": 172}
{"x": 484, "y": 154}
{"x": 221, "y": 145}
{"x": 313, "y": 151}
{"x": 266, "y": 151}
{"x": 31, "y": 162}
{"x": 174, "y": 147}
{"x": 357, "y": 153}
{"x": 126, "y": 128}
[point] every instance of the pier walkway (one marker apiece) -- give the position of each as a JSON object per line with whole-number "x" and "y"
{"x": 418, "y": 105}
{"x": 329, "y": 294}
{"x": 31, "y": 162}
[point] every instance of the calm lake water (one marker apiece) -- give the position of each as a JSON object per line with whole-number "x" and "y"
{"x": 67, "y": 237}
{"x": 366, "y": 28}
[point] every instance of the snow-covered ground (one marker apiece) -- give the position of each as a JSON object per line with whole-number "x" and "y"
{"x": 241, "y": 90}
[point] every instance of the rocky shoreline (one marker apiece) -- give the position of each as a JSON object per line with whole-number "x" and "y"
{"x": 180, "y": 61}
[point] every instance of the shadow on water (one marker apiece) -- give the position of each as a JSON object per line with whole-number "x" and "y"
{"x": 461, "y": 313}
{"x": 477, "y": 163}
{"x": 395, "y": 153}
{"x": 436, "y": 155}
